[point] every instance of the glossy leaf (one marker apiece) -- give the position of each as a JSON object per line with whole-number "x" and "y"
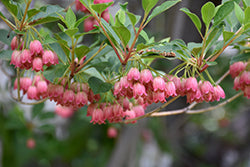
{"x": 148, "y": 5}
{"x": 193, "y": 17}
{"x": 71, "y": 32}
{"x": 54, "y": 72}
{"x": 123, "y": 33}
{"x": 163, "y": 7}
{"x": 227, "y": 35}
{"x": 70, "y": 18}
{"x": 207, "y": 13}
{"x": 81, "y": 51}
{"x": 223, "y": 11}
{"x": 101, "y": 7}
{"x": 239, "y": 13}
{"x": 247, "y": 15}
{"x": 98, "y": 86}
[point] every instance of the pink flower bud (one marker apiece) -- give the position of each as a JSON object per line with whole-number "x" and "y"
{"x": 130, "y": 114}
{"x": 25, "y": 83}
{"x": 82, "y": 60}
{"x": 247, "y": 91}
{"x": 245, "y": 78}
{"x": 207, "y": 90}
{"x": 14, "y": 44}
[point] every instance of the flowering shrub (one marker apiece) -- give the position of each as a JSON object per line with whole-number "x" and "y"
{"x": 114, "y": 76}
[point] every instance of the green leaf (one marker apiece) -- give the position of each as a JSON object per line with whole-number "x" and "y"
{"x": 124, "y": 6}
{"x": 47, "y": 128}
{"x": 37, "y": 109}
{"x": 227, "y": 35}
{"x": 101, "y": 7}
{"x": 55, "y": 72}
{"x": 111, "y": 32}
{"x": 223, "y": 11}
{"x": 6, "y": 36}
{"x": 148, "y": 5}
{"x": 214, "y": 36}
{"x": 71, "y": 32}
{"x": 123, "y": 33}
{"x": 144, "y": 35}
{"x": 6, "y": 55}
{"x": 101, "y": 65}
{"x": 46, "y": 115}
{"x": 81, "y": 51}
{"x": 163, "y": 7}
{"x": 132, "y": 18}
{"x": 10, "y": 7}
{"x": 98, "y": 86}
{"x": 61, "y": 27}
{"x": 32, "y": 12}
{"x": 43, "y": 20}
{"x": 193, "y": 17}
{"x": 120, "y": 18}
{"x": 70, "y": 18}
{"x": 247, "y": 15}
{"x": 246, "y": 3}
{"x": 78, "y": 22}
{"x": 239, "y": 13}
{"x": 207, "y": 12}
{"x": 240, "y": 57}
{"x": 142, "y": 46}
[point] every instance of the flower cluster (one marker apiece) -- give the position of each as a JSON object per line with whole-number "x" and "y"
{"x": 75, "y": 96}
{"x": 241, "y": 76}
{"x": 147, "y": 89}
{"x": 35, "y": 88}
{"x": 34, "y": 57}
{"x": 197, "y": 91}
{"x": 90, "y": 22}
{"x": 114, "y": 113}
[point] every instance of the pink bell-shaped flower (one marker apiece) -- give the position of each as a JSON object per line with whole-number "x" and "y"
{"x": 25, "y": 83}
{"x": 159, "y": 96}
{"x": 247, "y": 91}
{"x": 26, "y": 59}
{"x": 236, "y": 68}
{"x": 37, "y": 64}
{"x": 81, "y": 99}
{"x": 146, "y": 76}
{"x": 218, "y": 93}
{"x": 133, "y": 74}
{"x": 48, "y": 58}
{"x": 139, "y": 90}
{"x": 130, "y": 114}
{"x": 68, "y": 98}
{"x": 170, "y": 89}
{"x": 36, "y": 48}
{"x": 139, "y": 110}
{"x": 191, "y": 84}
{"x": 159, "y": 84}
{"x": 32, "y": 93}
{"x": 98, "y": 116}
{"x": 42, "y": 88}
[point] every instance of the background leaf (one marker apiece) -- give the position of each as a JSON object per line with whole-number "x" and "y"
{"x": 223, "y": 11}
{"x": 148, "y": 5}
{"x": 98, "y": 86}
